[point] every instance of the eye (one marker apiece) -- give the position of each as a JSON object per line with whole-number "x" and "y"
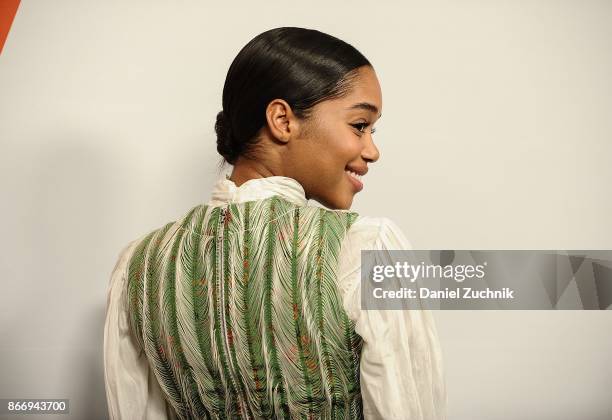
{"x": 362, "y": 126}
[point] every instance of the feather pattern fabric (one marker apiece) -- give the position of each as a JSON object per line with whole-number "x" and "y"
{"x": 238, "y": 312}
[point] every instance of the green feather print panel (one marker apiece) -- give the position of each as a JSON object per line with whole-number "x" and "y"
{"x": 238, "y": 312}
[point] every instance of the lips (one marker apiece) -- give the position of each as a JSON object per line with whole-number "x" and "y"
{"x": 355, "y": 179}
{"x": 357, "y": 170}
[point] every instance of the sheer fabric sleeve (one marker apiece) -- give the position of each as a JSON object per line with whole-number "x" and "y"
{"x": 132, "y": 391}
{"x": 401, "y": 370}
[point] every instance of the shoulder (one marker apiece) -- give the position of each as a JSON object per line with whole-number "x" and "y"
{"x": 378, "y": 232}
{"x": 126, "y": 254}
{"x": 156, "y": 236}
{"x": 369, "y": 233}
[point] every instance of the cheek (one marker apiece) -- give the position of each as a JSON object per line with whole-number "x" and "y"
{"x": 332, "y": 149}
{"x": 345, "y": 148}
{"x": 350, "y": 150}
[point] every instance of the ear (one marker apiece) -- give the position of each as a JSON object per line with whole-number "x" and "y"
{"x": 282, "y": 122}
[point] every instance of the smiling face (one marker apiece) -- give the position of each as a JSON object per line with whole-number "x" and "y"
{"x": 333, "y": 148}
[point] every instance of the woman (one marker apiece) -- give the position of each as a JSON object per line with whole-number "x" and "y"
{"x": 249, "y": 305}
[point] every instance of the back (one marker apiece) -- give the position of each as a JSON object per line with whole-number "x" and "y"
{"x": 238, "y": 312}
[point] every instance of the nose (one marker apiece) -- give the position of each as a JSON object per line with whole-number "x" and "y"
{"x": 370, "y": 152}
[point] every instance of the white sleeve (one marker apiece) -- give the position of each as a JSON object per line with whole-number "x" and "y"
{"x": 132, "y": 391}
{"x": 401, "y": 371}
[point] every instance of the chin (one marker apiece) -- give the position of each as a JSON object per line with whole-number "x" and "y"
{"x": 337, "y": 199}
{"x": 342, "y": 204}
{"x": 346, "y": 205}
{"x": 336, "y": 204}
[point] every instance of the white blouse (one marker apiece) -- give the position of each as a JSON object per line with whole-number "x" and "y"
{"x": 401, "y": 370}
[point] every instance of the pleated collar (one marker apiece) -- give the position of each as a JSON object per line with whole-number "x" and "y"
{"x": 225, "y": 190}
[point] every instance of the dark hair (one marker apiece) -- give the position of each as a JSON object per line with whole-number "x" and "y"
{"x": 301, "y": 66}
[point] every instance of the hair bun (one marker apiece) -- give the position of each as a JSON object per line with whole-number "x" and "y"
{"x": 226, "y": 145}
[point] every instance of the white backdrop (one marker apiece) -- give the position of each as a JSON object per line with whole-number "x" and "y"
{"x": 496, "y": 135}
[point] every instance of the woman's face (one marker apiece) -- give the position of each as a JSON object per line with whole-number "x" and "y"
{"x": 337, "y": 140}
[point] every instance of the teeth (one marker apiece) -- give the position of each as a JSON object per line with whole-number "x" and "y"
{"x": 353, "y": 174}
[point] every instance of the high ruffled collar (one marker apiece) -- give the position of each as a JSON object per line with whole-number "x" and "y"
{"x": 225, "y": 190}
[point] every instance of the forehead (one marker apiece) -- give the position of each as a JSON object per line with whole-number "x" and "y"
{"x": 365, "y": 95}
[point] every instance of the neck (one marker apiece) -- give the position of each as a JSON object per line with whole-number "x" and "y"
{"x": 245, "y": 169}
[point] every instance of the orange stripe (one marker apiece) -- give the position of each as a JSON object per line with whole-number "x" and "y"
{"x": 8, "y": 9}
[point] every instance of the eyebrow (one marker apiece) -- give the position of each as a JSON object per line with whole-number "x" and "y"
{"x": 367, "y": 106}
